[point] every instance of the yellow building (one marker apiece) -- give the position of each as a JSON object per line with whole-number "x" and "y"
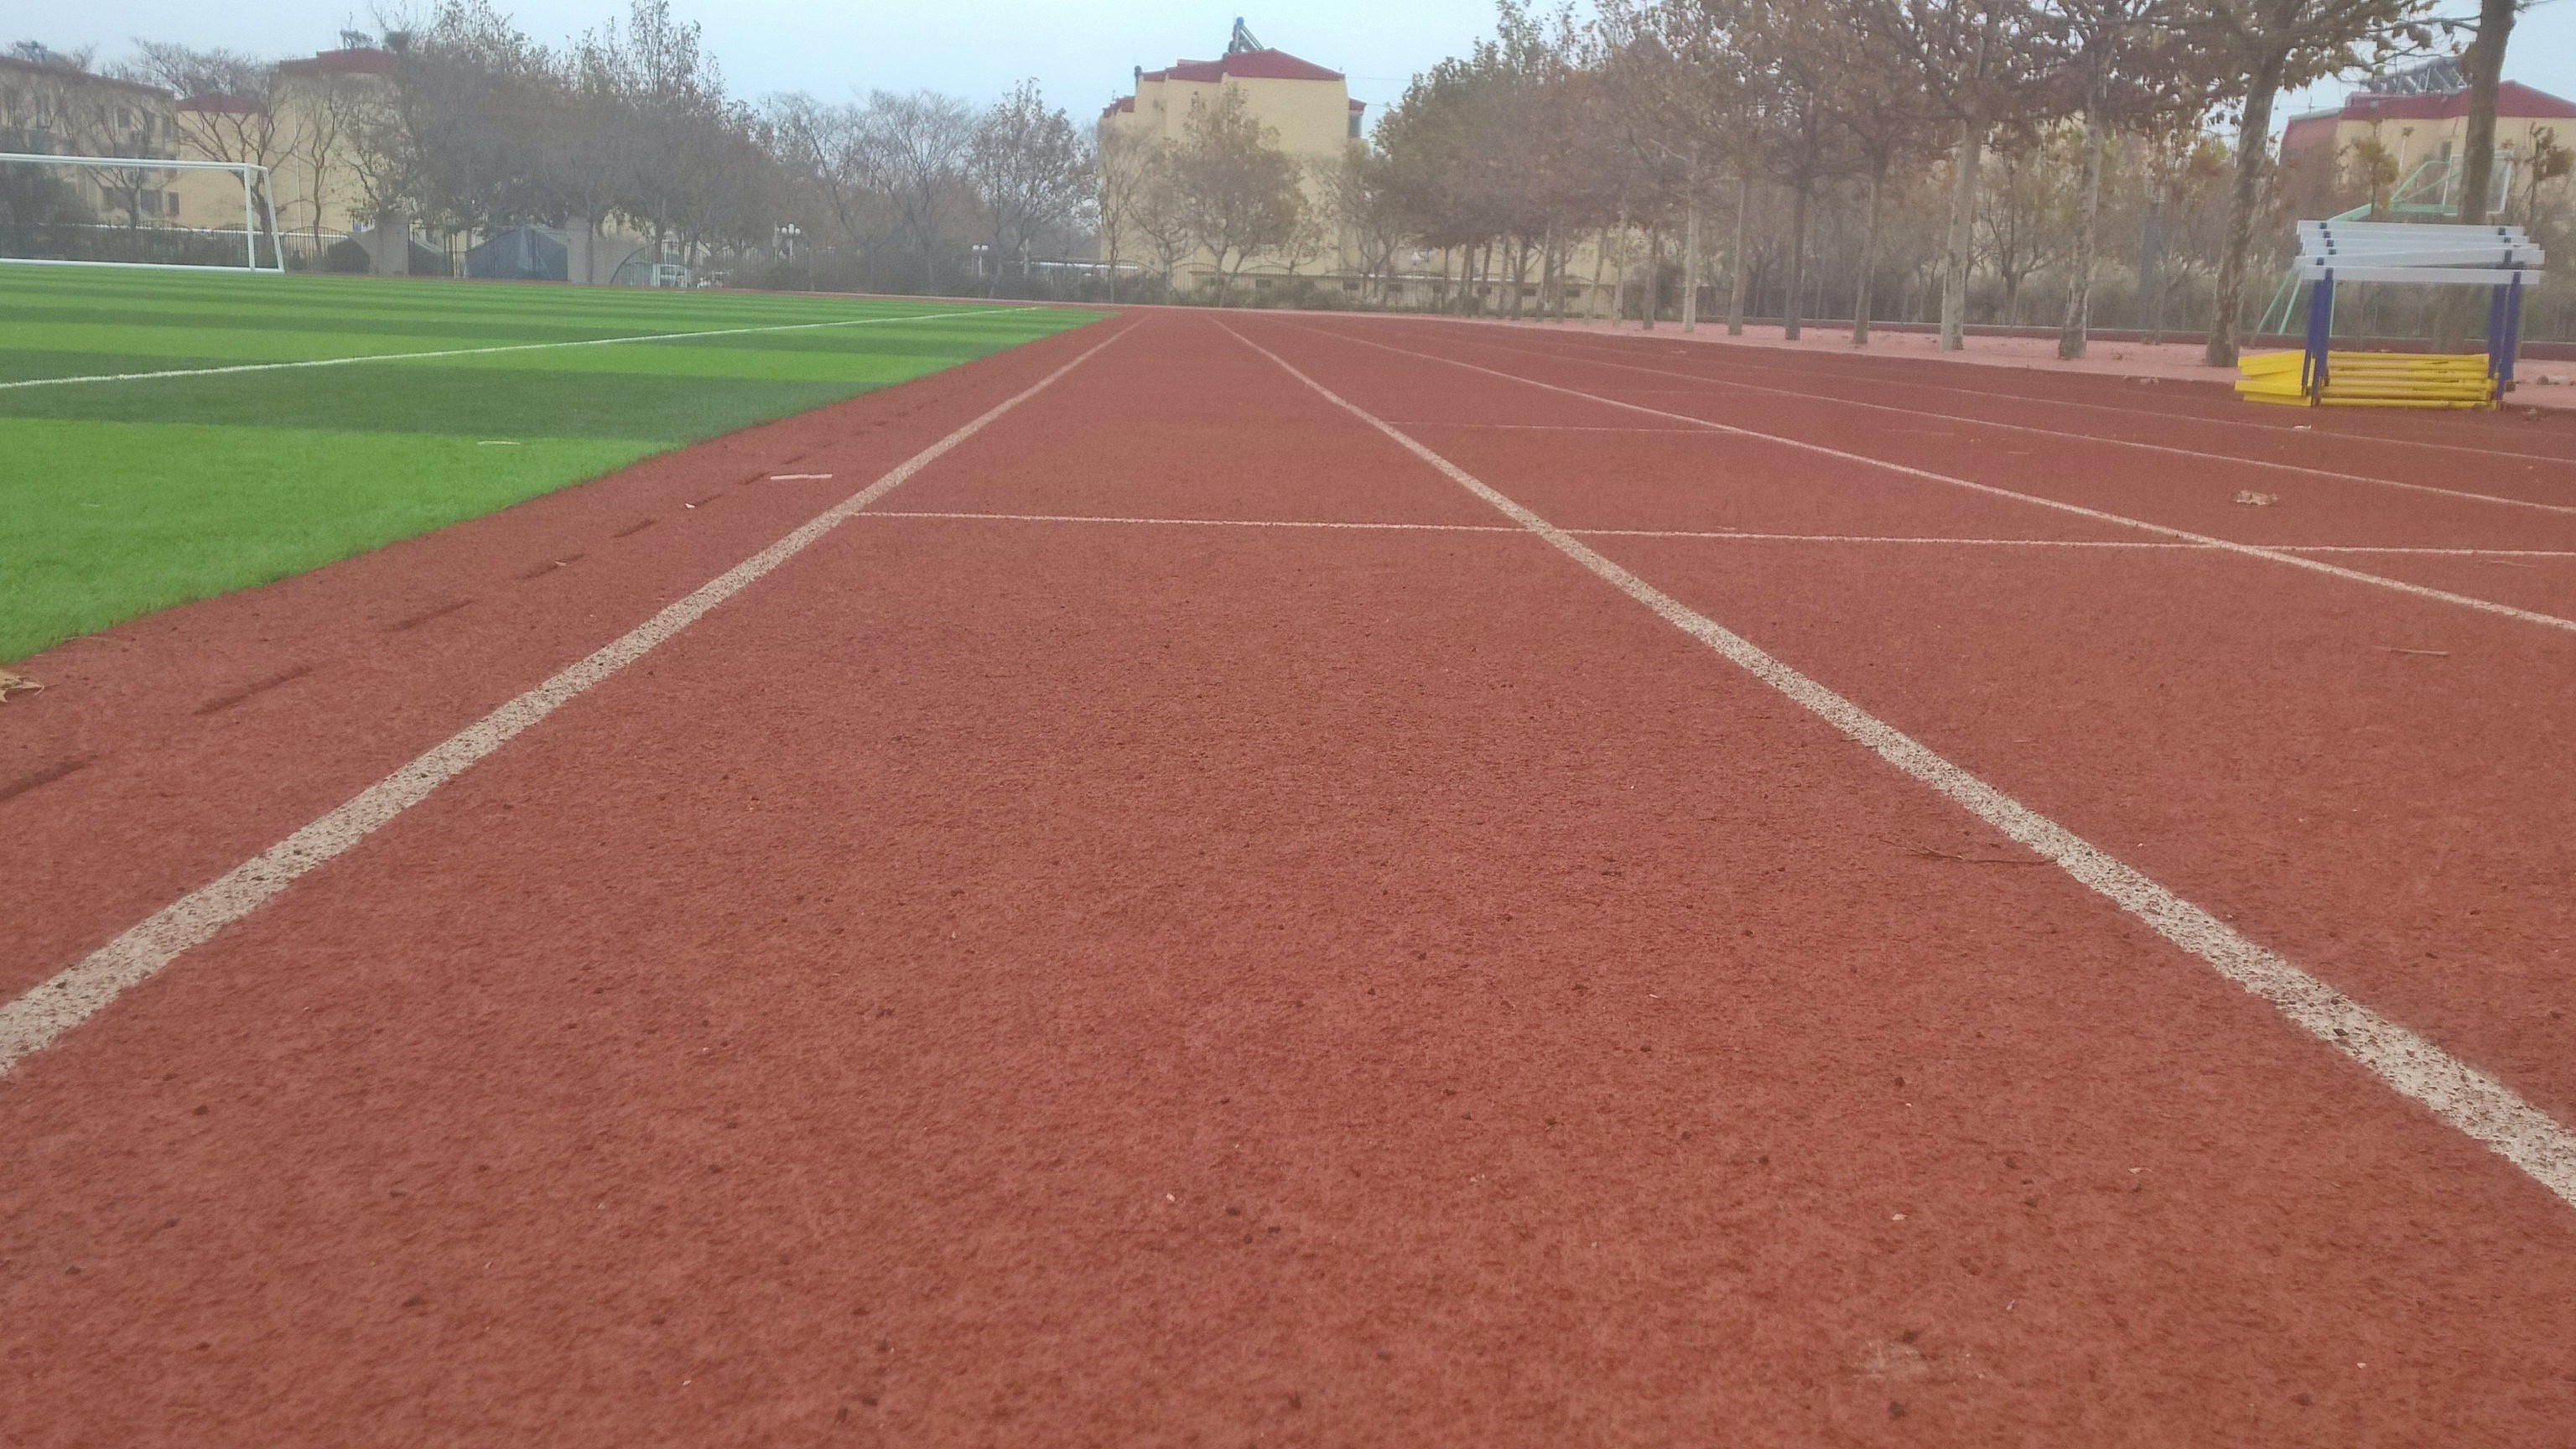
{"x": 2401, "y": 137}
{"x": 1307, "y": 109}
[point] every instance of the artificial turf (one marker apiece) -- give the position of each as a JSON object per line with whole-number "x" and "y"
{"x": 124, "y": 496}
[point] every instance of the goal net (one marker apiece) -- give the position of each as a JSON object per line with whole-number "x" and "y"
{"x": 137, "y": 212}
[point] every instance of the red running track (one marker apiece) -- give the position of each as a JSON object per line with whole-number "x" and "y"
{"x": 1087, "y": 971}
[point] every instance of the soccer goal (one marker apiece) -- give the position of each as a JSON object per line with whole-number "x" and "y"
{"x": 137, "y": 211}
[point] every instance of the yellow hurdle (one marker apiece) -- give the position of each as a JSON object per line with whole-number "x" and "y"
{"x": 2372, "y": 380}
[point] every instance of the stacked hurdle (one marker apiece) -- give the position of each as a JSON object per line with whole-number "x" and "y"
{"x": 2499, "y": 258}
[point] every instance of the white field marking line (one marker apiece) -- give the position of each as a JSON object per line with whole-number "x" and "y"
{"x": 796, "y": 477}
{"x": 485, "y": 351}
{"x": 2461, "y": 1095}
{"x": 1734, "y": 535}
{"x": 2485, "y": 606}
{"x": 2142, "y": 412}
{"x": 71, "y": 996}
{"x": 2461, "y": 493}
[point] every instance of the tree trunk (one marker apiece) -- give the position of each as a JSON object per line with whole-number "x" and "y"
{"x": 1868, "y": 259}
{"x": 1653, "y": 300}
{"x": 1963, "y": 218}
{"x": 1600, "y": 259}
{"x": 1619, "y": 277}
{"x": 2477, "y": 159}
{"x": 2079, "y": 298}
{"x": 2151, "y": 266}
{"x": 2253, "y": 144}
{"x": 1690, "y": 245}
{"x": 1735, "y": 278}
{"x": 1795, "y": 313}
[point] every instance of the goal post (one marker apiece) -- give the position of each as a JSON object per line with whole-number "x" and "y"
{"x": 138, "y": 211}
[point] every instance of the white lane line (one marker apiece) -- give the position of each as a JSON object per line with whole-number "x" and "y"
{"x": 1198, "y": 522}
{"x": 797, "y": 477}
{"x": 71, "y": 996}
{"x": 2166, "y": 448}
{"x": 486, "y": 351}
{"x": 2155, "y": 414}
{"x": 1538, "y": 427}
{"x": 1724, "y": 534}
{"x": 2459, "y": 1094}
{"x": 2484, "y": 606}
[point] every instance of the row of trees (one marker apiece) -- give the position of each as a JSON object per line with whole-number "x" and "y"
{"x": 478, "y": 128}
{"x": 914, "y": 180}
{"x": 1980, "y": 136}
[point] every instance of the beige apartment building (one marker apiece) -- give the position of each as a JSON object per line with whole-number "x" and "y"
{"x": 304, "y": 135}
{"x": 1307, "y": 108}
{"x": 1312, "y": 118}
{"x": 49, "y": 107}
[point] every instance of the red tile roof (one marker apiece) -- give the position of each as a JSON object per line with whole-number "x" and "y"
{"x": 2513, "y": 99}
{"x": 77, "y": 76}
{"x": 1245, "y": 65}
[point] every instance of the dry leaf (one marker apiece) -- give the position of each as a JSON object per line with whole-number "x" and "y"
{"x": 2252, "y": 499}
{"x": 14, "y": 683}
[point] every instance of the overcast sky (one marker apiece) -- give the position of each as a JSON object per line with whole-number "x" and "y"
{"x": 1082, "y": 54}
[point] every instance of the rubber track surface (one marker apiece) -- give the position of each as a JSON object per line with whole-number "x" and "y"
{"x": 1014, "y": 981}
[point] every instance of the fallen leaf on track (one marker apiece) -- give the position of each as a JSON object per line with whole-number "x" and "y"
{"x": 2252, "y": 499}
{"x": 15, "y": 683}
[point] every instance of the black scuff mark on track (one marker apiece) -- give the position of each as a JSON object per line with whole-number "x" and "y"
{"x": 226, "y": 701}
{"x": 46, "y": 776}
{"x": 416, "y": 620}
{"x": 632, "y": 529}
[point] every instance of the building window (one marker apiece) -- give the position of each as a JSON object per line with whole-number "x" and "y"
{"x": 1355, "y": 125}
{"x": 170, "y": 200}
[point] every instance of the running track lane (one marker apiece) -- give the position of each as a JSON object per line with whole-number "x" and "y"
{"x": 1103, "y": 983}
{"x": 2200, "y": 494}
{"x": 2372, "y": 783}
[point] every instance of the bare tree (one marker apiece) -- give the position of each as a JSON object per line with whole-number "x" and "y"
{"x": 1030, "y": 170}
{"x": 1370, "y": 213}
{"x": 1238, "y": 192}
{"x": 1979, "y": 61}
{"x": 913, "y": 148}
{"x": 2133, "y": 70}
{"x": 1690, "y": 81}
{"x": 825, "y": 147}
{"x": 1122, "y": 173}
{"x": 227, "y": 107}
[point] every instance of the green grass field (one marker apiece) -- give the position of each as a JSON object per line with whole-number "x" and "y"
{"x": 123, "y": 496}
